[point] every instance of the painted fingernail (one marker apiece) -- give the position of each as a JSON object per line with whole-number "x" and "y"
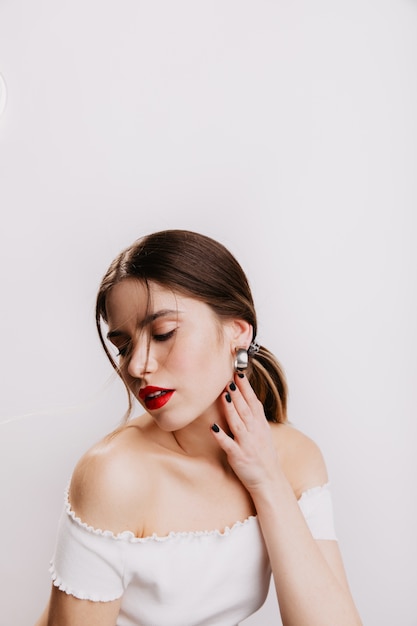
{"x": 215, "y": 428}
{"x": 232, "y": 387}
{"x": 228, "y": 398}
{"x": 241, "y": 375}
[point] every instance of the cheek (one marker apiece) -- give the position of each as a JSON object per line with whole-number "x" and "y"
{"x": 203, "y": 355}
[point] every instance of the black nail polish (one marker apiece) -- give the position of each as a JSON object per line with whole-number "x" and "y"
{"x": 232, "y": 387}
{"x": 228, "y": 398}
{"x": 215, "y": 428}
{"x": 241, "y": 375}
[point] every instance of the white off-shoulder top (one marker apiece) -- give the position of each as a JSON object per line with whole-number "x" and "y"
{"x": 204, "y": 578}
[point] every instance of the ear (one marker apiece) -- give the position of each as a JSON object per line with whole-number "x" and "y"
{"x": 240, "y": 334}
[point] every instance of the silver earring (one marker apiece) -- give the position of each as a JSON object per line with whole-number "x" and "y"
{"x": 241, "y": 360}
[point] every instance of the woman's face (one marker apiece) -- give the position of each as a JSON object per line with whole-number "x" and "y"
{"x": 174, "y": 354}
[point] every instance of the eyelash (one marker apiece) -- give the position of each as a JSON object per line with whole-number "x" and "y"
{"x": 163, "y": 337}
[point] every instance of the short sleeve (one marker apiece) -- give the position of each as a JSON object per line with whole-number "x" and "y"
{"x": 317, "y": 508}
{"x": 87, "y": 563}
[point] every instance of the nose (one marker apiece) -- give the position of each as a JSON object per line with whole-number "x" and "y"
{"x": 141, "y": 361}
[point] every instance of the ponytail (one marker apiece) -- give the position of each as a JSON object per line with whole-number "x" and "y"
{"x": 268, "y": 381}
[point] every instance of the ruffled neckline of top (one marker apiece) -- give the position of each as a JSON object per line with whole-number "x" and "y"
{"x": 130, "y": 536}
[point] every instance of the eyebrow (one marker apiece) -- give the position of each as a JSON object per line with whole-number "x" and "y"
{"x": 146, "y": 321}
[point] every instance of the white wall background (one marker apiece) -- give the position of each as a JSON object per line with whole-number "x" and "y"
{"x": 288, "y": 131}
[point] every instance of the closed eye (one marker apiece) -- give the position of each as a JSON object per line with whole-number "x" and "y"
{"x": 123, "y": 350}
{"x": 164, "y": 336}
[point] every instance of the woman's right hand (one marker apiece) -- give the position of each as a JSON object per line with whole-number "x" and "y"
{"x": 251, "y": 451}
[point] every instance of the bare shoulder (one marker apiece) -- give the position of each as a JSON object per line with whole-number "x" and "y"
{"x": 108, "y": 478}
{"x": 301, "y": 458}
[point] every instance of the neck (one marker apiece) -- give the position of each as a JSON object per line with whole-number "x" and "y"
{"x": 197, "y": 440}
{"x": 193, "y": 440}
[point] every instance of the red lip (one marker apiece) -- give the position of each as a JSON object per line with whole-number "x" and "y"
{"x": 155, "y": 401}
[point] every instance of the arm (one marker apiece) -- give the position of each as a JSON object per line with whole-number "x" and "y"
{"x": 65, "y": 610}
{"x": 88, "y": 564}
{"x": 309, "y": 576}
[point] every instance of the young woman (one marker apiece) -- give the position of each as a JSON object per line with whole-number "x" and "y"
{"x": 179, "y": 517}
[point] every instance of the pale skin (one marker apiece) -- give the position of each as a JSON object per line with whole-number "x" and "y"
{"x": 167, "y": 470}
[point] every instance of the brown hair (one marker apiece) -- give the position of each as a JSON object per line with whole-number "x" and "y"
{"x": 199, "y": 267}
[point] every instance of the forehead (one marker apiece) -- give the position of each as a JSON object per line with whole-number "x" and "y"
{"x": 132, "y": 300}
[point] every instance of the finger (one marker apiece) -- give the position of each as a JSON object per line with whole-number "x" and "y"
{"x": 236, "y": 411}
{"x": 243, "y": 407}
{"x": 248, "y": 395}
{"x": 226, "y": 443}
